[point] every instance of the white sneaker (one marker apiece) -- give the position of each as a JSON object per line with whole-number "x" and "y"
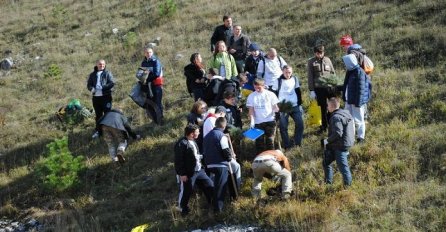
{"x": 95, "y": 135}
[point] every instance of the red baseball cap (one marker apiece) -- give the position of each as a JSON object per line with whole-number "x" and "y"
{"x": 346, "y": 40}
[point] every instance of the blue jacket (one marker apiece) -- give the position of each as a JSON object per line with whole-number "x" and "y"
{"x": 357, "y": 87}
{"x": 155, "y": 67}
{"x": 212, "y": 151}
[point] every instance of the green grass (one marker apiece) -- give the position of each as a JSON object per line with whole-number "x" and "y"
{"x": 398, "y": 174}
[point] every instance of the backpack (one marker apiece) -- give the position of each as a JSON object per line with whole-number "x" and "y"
{"x": 228, "y": 85}
{"x": 368, "y": 65}
{"x": 212, "y": 90}
{"x": 264, "y": 64}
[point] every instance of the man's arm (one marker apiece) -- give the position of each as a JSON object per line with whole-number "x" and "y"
{"x": 227, "y": 152}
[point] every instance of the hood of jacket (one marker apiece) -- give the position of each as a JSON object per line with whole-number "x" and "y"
{"x": 350, "y": 62}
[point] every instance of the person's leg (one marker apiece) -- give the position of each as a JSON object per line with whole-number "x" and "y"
{"x": 220, "y": 182}
{"x": 198, "y": 94}
{"x": 258, "y": 172}
{"x": 342, "y": 163}
{"x": 260, "y": 142}
{"x": 283, "y": 125}
{"x": 321, "y": 97}
{"x": 296, "y": 115}
{"x": 329, "y": 157}
{"x": 109, "y": 140}
{"x": 205, "y": 183}
{"x": 184, "y": 195}
{"x": 98, "y": 110}
{"x": 236, "y": 172}
{"x": 119, "y": 135}
{"x": 358, "y": 116}
{"x": 158, "y": 92}
{"x": 270, "y": 133}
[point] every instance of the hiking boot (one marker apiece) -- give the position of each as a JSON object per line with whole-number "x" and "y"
{"x": 120, "y": 157}
{"x": 95, "y": 135}
{"x": 360, "y": 140}
{"x": 286, "y": 196}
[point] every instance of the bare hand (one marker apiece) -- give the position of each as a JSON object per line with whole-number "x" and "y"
{"x": 183, "y": 178}
{"x": 232, "y": 50}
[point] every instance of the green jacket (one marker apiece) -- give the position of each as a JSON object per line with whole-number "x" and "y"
{"x": 227, "y": 60}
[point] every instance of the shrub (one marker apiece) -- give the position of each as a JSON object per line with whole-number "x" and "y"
{"x": 167, "y": 8}
{"x": 130, "y": 39}
{"x": 59, "y": 171}
{"x": 54, "y": 71}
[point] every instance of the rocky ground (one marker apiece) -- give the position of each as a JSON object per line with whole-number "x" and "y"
{"x": 29, "y": 225}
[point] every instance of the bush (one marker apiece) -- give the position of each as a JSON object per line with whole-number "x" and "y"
{"x": 167, "y": 8}
{"x": 59, "y": 171}
{"x": 54, "y": 71}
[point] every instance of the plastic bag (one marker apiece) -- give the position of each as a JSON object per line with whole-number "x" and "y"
{"x": 314, "y": 114}
{"x": 137, "y": 95}
{"x": 368, "y": 65}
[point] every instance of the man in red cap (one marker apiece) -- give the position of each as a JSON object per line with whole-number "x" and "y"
{"x": 345, "y": 42}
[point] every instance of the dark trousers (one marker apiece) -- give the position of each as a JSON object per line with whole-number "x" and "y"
{"x": 220, "y": 183}
{"x": 158, "y": 97}
{"x": 204, "y": 183}
{"x": 266, "y": 141}
{"x": 322, "y": 94}
{"x": 101, "y": 105}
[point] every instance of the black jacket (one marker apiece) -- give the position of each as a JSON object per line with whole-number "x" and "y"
{"x": 251, "y": 63}
{"x": 221, "y": 33}
{"x": 107, "y": 81}
{"x": 233, "y": 116}
{"x": 193, "y": 73}
{"x": 185, "y": 160}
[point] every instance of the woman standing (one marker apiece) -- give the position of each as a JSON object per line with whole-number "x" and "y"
{"x": 223, "y": 61}
{"x": 195, "y": 76}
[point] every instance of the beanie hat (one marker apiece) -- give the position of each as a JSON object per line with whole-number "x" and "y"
{"x": 254, "y": 47}
{"x": 346, "y": 40}
{"x": 220, "y": 109}
{"x": 350, "y": 61}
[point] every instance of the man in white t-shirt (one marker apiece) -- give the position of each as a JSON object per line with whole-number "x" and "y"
{"x": 288, "y": 91}
{"x": 263, "y": 107}
{"x": 270, "y": 68}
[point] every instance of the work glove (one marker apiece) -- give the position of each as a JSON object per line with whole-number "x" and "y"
{"x": 312, "y": 95}
{"x": 252, "y": 124}
{"x": 325, "y": 143}
{"x": 93, "y": 90}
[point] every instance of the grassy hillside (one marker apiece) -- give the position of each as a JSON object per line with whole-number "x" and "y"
{"x": 399, "y": 174}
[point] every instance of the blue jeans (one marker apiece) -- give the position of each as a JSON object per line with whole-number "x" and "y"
{"x": 296, "y": 115}
{"x": 341, "y": 162}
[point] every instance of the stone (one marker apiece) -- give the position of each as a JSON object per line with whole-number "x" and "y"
{"x": 115, "y": 30}
{"x": 6, "y": 64}
{"x": 151, "y": 45}
{"x": 179, "y": 56}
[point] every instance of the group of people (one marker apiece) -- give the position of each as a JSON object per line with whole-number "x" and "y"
{"x": 239, "y": 69}
{"x": 273, "y": 94}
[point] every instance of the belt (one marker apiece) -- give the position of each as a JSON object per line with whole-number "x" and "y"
{"x": 263, "y": 160}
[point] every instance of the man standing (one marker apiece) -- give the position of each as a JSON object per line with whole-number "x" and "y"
{"x": 319, "y": 67}
{"x": 100, "y": 83}
{"x": 270, "y": 68}
{"x": 222, "y": 32}
{"x": 262, "y": 105}
{"x": 154, "y": 83}
{"x": 288, "y": 91}
{"x": 356, "y": 93}
{"x": 238, "y": 47}
{"x": 341, "y": 135}
{"x": 116, "y": 130}
{"x": 272, "y": 163}
{"x": 189, "y": 169}
{"x": 217, "y": 153}
{"x": 252, "y": 62}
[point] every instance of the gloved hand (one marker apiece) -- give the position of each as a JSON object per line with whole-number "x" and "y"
{"x": 325, "y": 142}
{"x": 252, "y": 124}
{"x": 93, "y": 90}
{"x": 312, "y": 95}
{"x": 301, "y": 109}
